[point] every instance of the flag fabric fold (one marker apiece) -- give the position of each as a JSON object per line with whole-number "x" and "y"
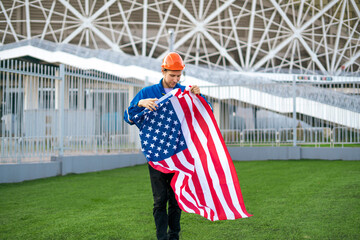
{"x": 182, "y": 137}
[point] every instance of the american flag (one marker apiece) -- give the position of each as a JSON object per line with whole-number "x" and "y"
{"x": 182, "y": 137}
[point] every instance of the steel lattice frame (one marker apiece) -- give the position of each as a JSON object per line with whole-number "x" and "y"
{"x": 306, "y": 36}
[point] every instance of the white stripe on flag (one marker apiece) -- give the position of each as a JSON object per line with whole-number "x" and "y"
{"x": 185, "y": 162}
{"x": 211, "y": 167}
{"x": 178, "y": 183}
{"x": 191, "y": 146}
{"x": 221, "y": 152}
{"x": 201, "y": 172}
{"x": 196, "y": 202}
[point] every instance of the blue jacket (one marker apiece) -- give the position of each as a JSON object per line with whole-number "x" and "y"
{"x": 154, "y": 91}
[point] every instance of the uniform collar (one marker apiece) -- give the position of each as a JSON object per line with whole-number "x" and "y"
{"x": 162, "y": 87}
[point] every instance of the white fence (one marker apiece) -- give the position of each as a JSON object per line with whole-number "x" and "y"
{"x": 311, "y": 136}
{"x": 50, "y": 111}
{"x": 277, "y": 114}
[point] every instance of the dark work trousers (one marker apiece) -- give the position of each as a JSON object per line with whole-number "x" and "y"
{"x": 162, "y": 192}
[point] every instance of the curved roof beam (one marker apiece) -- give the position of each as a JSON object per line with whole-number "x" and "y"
{"x": 200, "y": 27}
{"x": 8, "y": 21}
{"x": 297, "y": 34}
{"x": 87, "y": 23}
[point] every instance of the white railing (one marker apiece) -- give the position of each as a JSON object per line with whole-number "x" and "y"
{"x": 310, "y": 136}
{"x": 341, "y": 135}
{"x": 52, "y": 111}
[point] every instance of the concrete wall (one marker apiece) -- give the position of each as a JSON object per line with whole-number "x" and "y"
{"x": 331, "y": 153}
{"x": 93, "y": 163}
{"x": 286, "y": 153}
{"x": 81, "y": 164}
{"x": 264, "y": 153}
{"x": 10, "y": 173}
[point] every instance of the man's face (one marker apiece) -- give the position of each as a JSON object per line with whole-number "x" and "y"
{"x": 171, "y": 78}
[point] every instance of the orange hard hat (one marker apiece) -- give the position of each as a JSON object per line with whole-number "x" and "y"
{"x": 173, "y": 61}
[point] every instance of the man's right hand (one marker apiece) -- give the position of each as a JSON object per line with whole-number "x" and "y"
{"x": 148, "y": 103}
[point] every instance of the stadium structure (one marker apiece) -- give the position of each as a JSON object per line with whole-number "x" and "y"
{"x": 287, "y": 36}
{"x": 276, "y": 72}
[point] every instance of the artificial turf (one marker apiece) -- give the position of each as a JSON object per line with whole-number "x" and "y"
{"x": 300, "y": 199}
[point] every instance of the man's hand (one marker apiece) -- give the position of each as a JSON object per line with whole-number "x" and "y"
{"x": 195, "y": 89}
{"x": 148, "y": 103}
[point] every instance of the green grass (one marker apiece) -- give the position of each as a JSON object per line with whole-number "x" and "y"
{"x": 305, "y": 199}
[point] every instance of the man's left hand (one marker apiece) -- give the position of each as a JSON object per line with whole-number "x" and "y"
{"x": 195, "y": 89}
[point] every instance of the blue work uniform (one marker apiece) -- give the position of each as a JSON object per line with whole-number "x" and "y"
{"x": 154, "y": 91}
{"x": 167, "y": 222}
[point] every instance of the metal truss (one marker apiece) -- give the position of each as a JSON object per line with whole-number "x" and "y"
{"x": 277, "y": 36}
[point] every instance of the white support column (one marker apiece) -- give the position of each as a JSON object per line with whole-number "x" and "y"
{"x": 216, "y": 111}
{"x": 294, "y": 111}
{"x": 87, "y": 8}
{"x": 144, "y": 28}
{"x": 197, "y": 49}
{"x": 48, "y": 19}
{"x": 250, "y": 36}
{"x": 126, "y": 24}
{"x": 325, "y": 39}
{"x": 293, "y": 53}
{"x": 237, "y": 40}
{"x": 133, "y": 130}
{"x": 201, "y": 9}
{"x": 300, "y": 13}
{"x": 81, "y": 96}
{"x": 61, "y": 131}
{"x": 31, "y": 92}
{"x": 338, "y": 34}
{"x": 27, "y": 14}
{"x": 66, "y": 92}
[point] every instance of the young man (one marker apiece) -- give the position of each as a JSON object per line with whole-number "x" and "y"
{"x": 167, "y": 223}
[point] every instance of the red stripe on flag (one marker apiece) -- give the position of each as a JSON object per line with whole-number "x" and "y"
{"x": 160, "y": 166}
{"x": 203, "y": 158}
{"x": 183, "y": 202}
{"x": 179, "y": 164}
{"x": 231, "y": 165}
{"x": 196, "y": 188}
{"x": 217, "y": 162}
{"x": 199, "y": 197}
{"x": 217, "y": 166}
